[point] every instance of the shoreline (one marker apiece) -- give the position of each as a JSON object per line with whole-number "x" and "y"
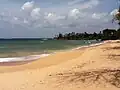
{"x": 95, "y": 44}
{"x": 27, "y": 59}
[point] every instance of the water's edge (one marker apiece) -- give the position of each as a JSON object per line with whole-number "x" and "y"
{"x": 35, "y": 57}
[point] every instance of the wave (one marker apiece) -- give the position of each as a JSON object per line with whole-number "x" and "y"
{"x": 25, "y": 58}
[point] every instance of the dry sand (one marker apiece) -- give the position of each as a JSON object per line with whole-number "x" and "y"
{"x": 93, "y": 68}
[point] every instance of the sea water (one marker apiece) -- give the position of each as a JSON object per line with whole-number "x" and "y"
{"x": 32, "y": 49}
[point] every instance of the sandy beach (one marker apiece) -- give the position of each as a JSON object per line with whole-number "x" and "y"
{"x": 89, "y": 68}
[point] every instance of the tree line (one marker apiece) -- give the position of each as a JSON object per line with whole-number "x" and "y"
{"x": 106, "y": 34}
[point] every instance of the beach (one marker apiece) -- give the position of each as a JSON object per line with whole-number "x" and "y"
{"x": 95, "y": 67}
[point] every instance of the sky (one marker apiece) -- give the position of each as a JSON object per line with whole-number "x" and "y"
{"x": 46, "y": 18}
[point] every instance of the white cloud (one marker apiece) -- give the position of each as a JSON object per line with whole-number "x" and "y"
{"x": 51, "y": 15}
{"x": 35, "y": 13}
{"x": 74, "y": 2}
{"x": 89, "y": 4}
{"x": 15, "y": 18}
{"x": 54, "y": 17}
{"x": 77, "y": 14}
{"x": 115, "y": 11}
{"x": 98, "y": 15}
{"x": 28, "y": 6}
{"x": 34, "y": 17}
{"x": 74, "y": 12}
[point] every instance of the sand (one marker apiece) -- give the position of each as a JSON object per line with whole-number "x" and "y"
{"x": 90, "y": 68}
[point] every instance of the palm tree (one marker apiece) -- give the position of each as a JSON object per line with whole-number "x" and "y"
{"x": 116, "y": 16}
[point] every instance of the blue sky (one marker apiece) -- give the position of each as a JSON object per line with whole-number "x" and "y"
{"x": 45, "y": 18}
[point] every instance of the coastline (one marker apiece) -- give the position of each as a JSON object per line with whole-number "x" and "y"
{"x": 31, "y": 58}
{"x": 28, "y": 59}
{"x": 48, "y": 60}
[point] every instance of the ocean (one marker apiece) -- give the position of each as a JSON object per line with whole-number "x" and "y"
{"x": 31, "y": 49}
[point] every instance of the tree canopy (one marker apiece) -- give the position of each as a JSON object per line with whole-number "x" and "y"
{"x": 116, "y": 16}
{"x": 106, "y": 34}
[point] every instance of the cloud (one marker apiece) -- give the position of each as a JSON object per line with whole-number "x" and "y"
{"x": 35, "y": 13}
{"x": 75, "y": 17}
{"x": 73, "y": 2}
{"x": 115, "y": 11}
{"x": 15, "y": 18}
{"x": 28, "y": 6}
{"x": 90, "y": 4}
{"x": 98, "y": 15}
{"x": 78, "y": 15}
{"x": 53, "y": 17}
{"x": 30, "y": 14}
{"x": 75, "y": 12}
{"x": 35, "y": 16}
{"x": 25, "y": 21}
{"x": 50, "y": 16}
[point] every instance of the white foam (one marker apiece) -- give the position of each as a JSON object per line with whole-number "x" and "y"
{"x": 25, "y": 58}
{"x": 91, "y": 45}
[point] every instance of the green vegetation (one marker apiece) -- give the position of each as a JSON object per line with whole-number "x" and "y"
{"x": 106, "y": 34}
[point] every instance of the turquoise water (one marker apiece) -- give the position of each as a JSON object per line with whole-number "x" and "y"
{"x": 14, "y": 48}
